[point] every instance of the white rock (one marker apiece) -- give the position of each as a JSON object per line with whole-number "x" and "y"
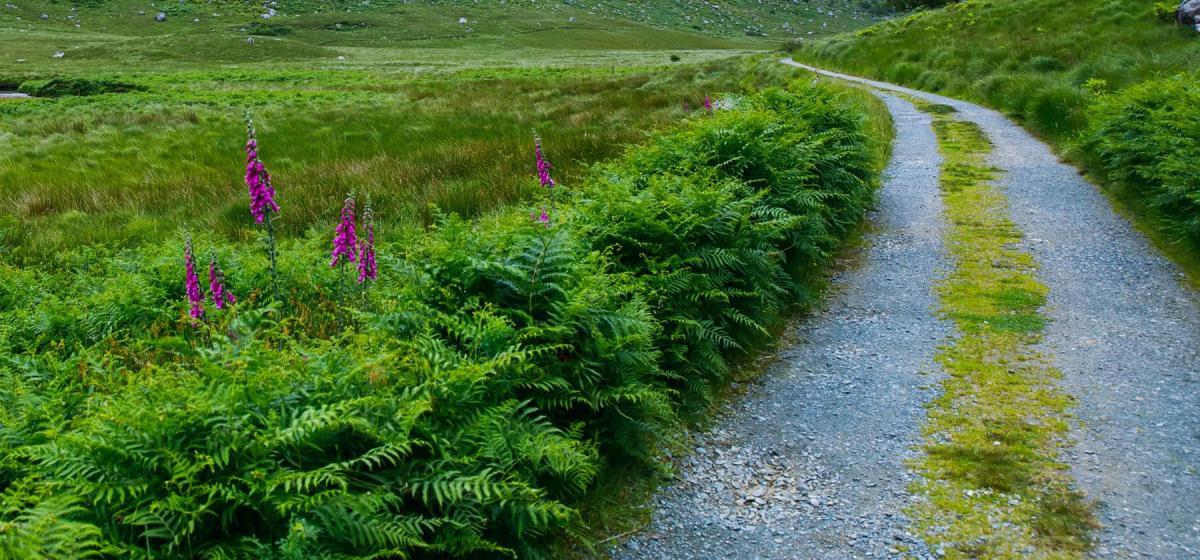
{"x": 462, "y": 21}
{"x": 59, "y": 54}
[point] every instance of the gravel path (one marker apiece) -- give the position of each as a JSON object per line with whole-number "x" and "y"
{"x": 1126, "y": 335}
{"x": 811, "y": 464}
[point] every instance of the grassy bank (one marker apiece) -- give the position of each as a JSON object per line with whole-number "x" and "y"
{"x": 460, "y": 406}
{"x": 1102, "y": 81}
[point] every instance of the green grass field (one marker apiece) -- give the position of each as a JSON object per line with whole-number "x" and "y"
{"x": 399, "y": 102}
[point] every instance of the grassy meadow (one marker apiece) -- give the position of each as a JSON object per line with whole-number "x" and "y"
{"x": 1105, "y": 81}
{"x": 468, "y": 398}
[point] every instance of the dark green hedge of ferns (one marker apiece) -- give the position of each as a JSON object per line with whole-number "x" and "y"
{"x": 482, "y": 385}
{"x": 1147, "y": 138}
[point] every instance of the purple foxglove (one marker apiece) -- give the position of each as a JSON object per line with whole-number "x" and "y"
{"x": 366, "y": 249}
{"x": 543, "y": 166}
{"x": 216, "y": 285}
{"x": 194, "y": 295}
{"x": 258, "y": 181}
{"x": 344, "y": 238}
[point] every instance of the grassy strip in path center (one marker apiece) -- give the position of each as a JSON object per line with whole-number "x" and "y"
{"x": 994, "y": 485}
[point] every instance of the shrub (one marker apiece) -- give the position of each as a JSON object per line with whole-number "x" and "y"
{"x": 265, "y": 29}
{"x": 1166, "y": 12}
{"x": 1147, "y": 137}
{"x": 59, "y": 87}
{"x": 1058, "y": 109}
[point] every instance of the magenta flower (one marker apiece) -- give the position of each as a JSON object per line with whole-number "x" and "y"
{"x": 216, "y": 285}
{"x": 366, "y": 249}
{"x": 258, "y": 181}
{"x": 687, "y": 108}
{"x": 708, "y": 104}
{"x": 194, "y": 295}
{"x": 543, "y": 166}
{"x": 344, "y": 238}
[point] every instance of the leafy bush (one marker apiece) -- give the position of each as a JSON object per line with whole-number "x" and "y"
{"x": 59, "y": 87}
{"x": 1166, "y": 12}
{"x": 481, "y": 386}
{"x": 911, "y": 4}
{"x": 1147, "y": 138}
{"x": 265, "y": 29}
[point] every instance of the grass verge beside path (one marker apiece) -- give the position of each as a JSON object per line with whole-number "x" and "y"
{"x": 991, "y": 473}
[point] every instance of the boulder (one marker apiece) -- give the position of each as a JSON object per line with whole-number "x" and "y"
{"x": 1189, "y": 12}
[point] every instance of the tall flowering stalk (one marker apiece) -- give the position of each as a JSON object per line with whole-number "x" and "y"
{"x": 216, "y": 285}
{"x": 543, "y": 170}
{"x": 344, "y": 241}
{"x": 708, "y": 103}
{"x": 192, "y": 282}
{"x": 262, "y": 198}
{"x": 366, "y": 248}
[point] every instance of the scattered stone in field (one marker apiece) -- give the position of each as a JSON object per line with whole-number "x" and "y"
{"x": 45, "y": 16}
{"x": 571, "y": 19}
{"x": 249, "y": 40}
{"x": 59, "y": 54}
{"x": 141, "y": 12}
{"x": 462, "y": 21}
{"x": 160, "y": 16}
{"x": 341, "y": 57}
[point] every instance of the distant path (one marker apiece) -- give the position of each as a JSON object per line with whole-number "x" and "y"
{"x": 1124, "y": 332}
{"x": 811, "y": 465}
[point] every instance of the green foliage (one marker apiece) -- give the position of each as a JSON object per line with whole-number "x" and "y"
{"x": 59, "y": 87}
{"x": 912, "y": 4}
{"x": 496, "y": 369}
{"x": 1148, "y": 139}
{"x": 1166, "y": 12}
{"x": 265, "y": 29}
{"x": 726, "y": 219}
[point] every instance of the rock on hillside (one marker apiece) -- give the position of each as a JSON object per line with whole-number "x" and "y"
{"x": 1189, "y": 12}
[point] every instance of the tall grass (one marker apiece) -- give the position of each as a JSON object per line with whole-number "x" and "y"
{"x": 122, "y": 169}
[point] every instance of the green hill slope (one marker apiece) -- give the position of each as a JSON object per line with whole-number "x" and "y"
{"x": 1112, "y": 83}
{"x": 124, "y": 34}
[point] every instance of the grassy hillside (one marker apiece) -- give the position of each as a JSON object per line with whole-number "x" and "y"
{"x": 1110, "y": 82}
{"x": 123, "y": 34}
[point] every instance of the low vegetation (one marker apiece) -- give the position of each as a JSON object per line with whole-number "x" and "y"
{"x": 993, "y": 484}
{"x": 1142, "y": 139}
{"x": 462, "y": 404}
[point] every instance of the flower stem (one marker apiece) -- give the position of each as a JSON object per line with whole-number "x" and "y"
{"x": 271, "y": 254}
{"x": 341, "y": 293}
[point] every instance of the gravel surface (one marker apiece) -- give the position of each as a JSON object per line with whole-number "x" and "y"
{"x": 811, "y": 464}
{"x": 1126, "y": 335}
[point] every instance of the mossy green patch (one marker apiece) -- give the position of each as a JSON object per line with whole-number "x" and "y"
{"x": 993, "y": 483}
